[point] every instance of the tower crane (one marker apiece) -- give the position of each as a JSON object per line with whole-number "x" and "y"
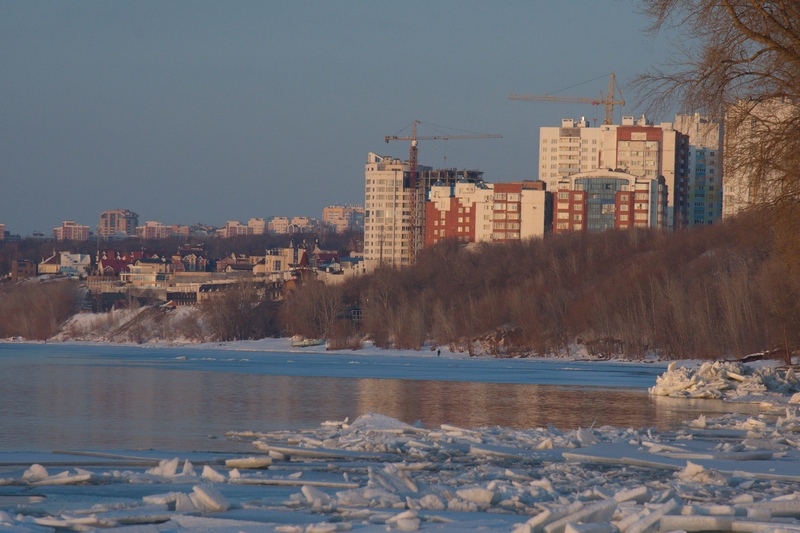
{"x": 416, "y": 219}
{"x": 608, "y": 101}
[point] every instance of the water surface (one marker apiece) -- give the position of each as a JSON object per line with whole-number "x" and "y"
{"x": 120, "y": 397}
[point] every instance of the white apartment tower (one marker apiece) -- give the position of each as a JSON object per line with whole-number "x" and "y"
{"x": 387, "y": 217}
{"x": 574, "y": 147}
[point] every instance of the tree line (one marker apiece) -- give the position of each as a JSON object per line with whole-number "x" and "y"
{"x": 719, "y": 291}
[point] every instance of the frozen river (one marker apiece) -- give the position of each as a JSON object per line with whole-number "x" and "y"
{"x": 223, "y": 439}
{"x": 99, "y": 397}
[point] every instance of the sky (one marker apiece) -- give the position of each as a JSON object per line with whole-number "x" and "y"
{"x": 204, "y": 111}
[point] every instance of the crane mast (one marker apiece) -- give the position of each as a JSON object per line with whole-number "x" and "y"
{"x": 416, "y": 218}
{"x": 608, "y": 101}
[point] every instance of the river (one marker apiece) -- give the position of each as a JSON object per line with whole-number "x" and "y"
{"x": 109, "y": 397}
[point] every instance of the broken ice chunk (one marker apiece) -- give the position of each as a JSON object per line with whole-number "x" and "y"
{"x": 207, "y": 497}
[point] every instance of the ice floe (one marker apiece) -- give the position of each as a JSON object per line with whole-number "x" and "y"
{"x": 728, "y": 473}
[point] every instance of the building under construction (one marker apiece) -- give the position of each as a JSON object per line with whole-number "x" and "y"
{"x": 393, "y": 230}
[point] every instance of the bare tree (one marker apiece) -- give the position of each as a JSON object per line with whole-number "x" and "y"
{"x": 232, "y": 315}
{"x": 738, "y": 60}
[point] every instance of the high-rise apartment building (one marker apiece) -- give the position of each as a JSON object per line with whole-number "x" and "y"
{"x": 704, "y": 167}
{"x": 71, "y": 231}
{"x": 388, "y": 220}
{"x": 751, "y": 127}
{"x": 387, "y": 216}
{"x": 116, "y": 222}
{"x": 574, "y": 147}
{"x": 635, "y": 146}
{"x": 607, "y": 199}
{"x": 460, "y": 210}
{"x": 647, "y": 150}
{"x": 476, "y": 211}
{"x": 2, "y": 231}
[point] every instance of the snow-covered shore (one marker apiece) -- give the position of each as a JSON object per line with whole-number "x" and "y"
{"x": 375, "y": 473}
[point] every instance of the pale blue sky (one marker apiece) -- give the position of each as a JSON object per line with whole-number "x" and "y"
{"x": 213, "y": 111}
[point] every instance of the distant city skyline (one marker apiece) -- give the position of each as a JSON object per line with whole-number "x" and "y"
{"x": 204, "y": 111}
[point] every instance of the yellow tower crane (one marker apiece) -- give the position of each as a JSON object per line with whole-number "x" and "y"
{"x": 608, "y": 101}
{"x": 417, "y": 220}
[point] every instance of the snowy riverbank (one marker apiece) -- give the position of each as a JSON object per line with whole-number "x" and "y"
{"x": 734, "y": 472}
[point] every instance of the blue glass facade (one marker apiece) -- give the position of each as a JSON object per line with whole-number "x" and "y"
{"x": 601, "y": 193}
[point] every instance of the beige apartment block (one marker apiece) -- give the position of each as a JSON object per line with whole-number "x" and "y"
{"x": 343, "y": 218}
{"x": 117, "y": 222}
{"x": 387, "y": 218}
{"x": 258, "y": 226}
{"x": 278, "y": 225}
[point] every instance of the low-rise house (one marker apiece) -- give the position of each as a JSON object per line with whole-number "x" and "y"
{"x": 283, "y": 263}
{"x": 148, "y": 273}
{"x": 51, "y": 265}
{"x": 75, "y": 264}
{"x": 191, "y": 259}
{"x": 23, "y": 269}
{"x": 112, "y": 267}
